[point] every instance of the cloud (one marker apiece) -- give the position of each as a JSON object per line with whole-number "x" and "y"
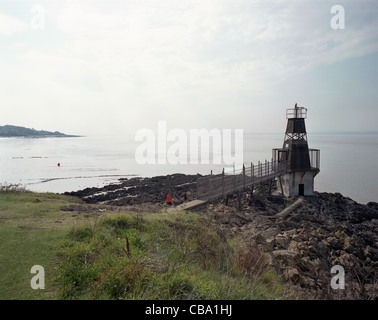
{"x": 138, "y": 61}
{"x": 201, "y": 43}
{"x": 10, "y": 25}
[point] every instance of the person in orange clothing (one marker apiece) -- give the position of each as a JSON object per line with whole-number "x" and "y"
{"x": 169, "y": 199}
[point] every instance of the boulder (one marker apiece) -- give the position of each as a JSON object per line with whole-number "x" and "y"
{"x": 293, "y": 275}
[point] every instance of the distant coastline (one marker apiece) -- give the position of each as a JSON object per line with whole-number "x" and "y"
{"x": 10, "y": 131}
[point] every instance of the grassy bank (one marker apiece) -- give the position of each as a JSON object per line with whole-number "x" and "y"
{"x": 88, "y": 253}
{"x": 31, "y": 229}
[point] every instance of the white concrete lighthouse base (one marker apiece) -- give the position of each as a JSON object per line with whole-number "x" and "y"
{"x": 298, "y": 183}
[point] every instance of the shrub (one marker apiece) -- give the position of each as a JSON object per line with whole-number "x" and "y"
{"x": 120, "y": 280}
{"x": 118, "y": 222}
{"x": 12, "y": 188}
{"x": 80, "y": 234}
{"x": 252, "y": 261}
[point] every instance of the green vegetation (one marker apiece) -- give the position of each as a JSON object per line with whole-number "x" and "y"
{"x": 93, "y": 254}
{"x": 31, "y": 228}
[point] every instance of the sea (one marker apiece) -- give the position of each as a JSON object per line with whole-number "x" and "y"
{"x": 348, "y": 162}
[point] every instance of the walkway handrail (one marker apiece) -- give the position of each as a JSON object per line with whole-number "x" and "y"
{"x": 213, "y": 186}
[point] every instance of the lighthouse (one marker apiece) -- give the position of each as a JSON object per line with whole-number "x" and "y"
{"x": 303, "y": 164}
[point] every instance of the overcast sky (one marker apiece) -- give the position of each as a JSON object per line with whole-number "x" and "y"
{"x": 106, "y": 66}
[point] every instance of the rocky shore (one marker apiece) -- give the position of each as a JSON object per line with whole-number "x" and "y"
{"x": 136, "y": 191}
{"x": 303, "y": 238}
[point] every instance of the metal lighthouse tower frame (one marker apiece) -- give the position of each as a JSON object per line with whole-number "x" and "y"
{"x": 302, "y": 163}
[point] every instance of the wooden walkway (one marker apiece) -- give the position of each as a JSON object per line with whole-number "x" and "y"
{"x": 187, "y": 205}
{"x": 215, "y": 186}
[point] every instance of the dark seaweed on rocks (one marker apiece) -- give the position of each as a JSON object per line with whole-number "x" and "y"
{"x": 139, "y": 190}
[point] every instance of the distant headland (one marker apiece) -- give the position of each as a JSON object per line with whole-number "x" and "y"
{"x": 9, "y": 131}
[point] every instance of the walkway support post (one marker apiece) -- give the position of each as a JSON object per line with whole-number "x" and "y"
{"x": 261, "y": 182}
{"x": 251, "y": 195}
{"x": 252, "y": 173}
{"x": 239, "y": 201}
{"x": 244, "y": 176}
{"x": 234, "y": 174}
{"x": 270, "y": 186}
{"x": 282, "y": 192}
{"x": 223, "y": 182}
{"x": 210, "y": 182}
{"x": 197, "y": 186}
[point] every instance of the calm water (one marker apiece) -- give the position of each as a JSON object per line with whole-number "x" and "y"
{"x": 348, "y": 162}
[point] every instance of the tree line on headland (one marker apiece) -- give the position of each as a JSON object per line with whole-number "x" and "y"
{"x": 16, "y": 131}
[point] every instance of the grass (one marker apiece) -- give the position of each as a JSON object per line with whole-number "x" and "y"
{"x": 124, "y": 255}
{"x": 31, "y": 229}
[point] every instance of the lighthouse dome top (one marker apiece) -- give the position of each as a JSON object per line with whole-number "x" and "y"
{"x": 296, "y": 113}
